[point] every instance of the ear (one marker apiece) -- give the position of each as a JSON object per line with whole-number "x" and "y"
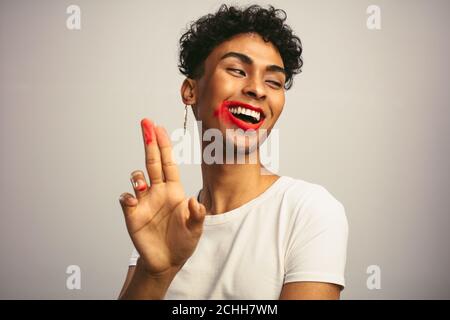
{"x": 188, "y": 91}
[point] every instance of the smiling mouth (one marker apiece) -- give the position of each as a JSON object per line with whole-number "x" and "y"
{"x": 244, "y": 115}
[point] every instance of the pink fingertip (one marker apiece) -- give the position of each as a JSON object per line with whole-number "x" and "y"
{"x": 147, "y": 126}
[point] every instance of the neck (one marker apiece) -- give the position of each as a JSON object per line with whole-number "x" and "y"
{"x": 229, "y": 186}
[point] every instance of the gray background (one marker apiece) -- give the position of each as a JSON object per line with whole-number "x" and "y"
{"x": 368, "y": 119}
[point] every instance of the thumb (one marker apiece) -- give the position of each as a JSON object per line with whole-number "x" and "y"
{"x": 128, "y": 204}
{"x": 197, "y": 213}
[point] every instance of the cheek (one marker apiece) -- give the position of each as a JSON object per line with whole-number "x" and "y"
{"x": 278, "y": 105}
{"x": 218, "y": 88}
{"x": 222, "y": 86}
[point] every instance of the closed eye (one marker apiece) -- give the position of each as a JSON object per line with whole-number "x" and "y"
{"x": 242, "y": 73}
{"x": 275, "y": 83}
{"x": 239, "y": 71}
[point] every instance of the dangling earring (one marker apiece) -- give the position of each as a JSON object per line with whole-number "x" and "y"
{"x": 185, "y": 118}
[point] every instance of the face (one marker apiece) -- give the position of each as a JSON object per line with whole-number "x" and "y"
{"x": 242, "y": 87}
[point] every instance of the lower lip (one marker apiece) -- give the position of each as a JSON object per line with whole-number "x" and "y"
{"x": 223, "y": 113}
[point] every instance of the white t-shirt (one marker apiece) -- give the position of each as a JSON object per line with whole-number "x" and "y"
{"x": 294, "y": 231}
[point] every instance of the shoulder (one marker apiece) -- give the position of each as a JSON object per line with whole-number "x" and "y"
{"x": 312, "y": 203}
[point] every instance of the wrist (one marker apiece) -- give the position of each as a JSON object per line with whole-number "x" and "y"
{"x": 146, "y": 285}
{"x": 168, "y": 274}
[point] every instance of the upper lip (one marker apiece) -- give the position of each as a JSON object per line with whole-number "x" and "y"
{"x": 245, "y": 105}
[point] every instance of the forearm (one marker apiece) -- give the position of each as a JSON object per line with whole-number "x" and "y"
{"x": 147, "y": 287}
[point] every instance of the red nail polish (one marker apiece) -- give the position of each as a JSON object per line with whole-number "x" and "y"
{"x": 147, "y": 125}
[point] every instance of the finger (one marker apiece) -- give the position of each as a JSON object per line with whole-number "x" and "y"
{"x": 169, "y": 167}
{"x": 139, "y": 183}
{"x": 152, "y": 154}
{"x": 197, "y": 213}
{"x": 128, "y": 202}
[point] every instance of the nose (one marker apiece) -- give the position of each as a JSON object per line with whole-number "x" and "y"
{"x": 255, "y": 89}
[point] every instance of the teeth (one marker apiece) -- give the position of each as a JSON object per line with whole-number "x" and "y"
{"x": 241, "y": 110}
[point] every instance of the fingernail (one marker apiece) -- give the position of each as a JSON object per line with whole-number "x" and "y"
{"x": 139, "y": 184}
{"x": 147, "y": 126}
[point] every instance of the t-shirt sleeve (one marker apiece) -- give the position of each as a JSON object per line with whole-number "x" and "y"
{"x": 317, "y": 247}
{"x": 134, "y": 257}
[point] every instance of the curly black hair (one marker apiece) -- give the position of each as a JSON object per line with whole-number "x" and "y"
{"x": 211, "y": 30}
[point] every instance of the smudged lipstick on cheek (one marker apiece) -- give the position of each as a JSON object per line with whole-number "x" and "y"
{"x": 224, "y": 115}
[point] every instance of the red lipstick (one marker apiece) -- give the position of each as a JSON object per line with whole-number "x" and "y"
{"x": 223, "y": 113}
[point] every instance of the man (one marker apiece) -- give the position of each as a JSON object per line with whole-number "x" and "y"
{"x": 250, "y": 234}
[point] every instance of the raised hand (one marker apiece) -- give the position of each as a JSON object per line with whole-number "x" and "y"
{"x": 163, "y": 224}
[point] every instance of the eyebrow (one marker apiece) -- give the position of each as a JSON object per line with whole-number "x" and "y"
{"x": 247, "y": 60}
